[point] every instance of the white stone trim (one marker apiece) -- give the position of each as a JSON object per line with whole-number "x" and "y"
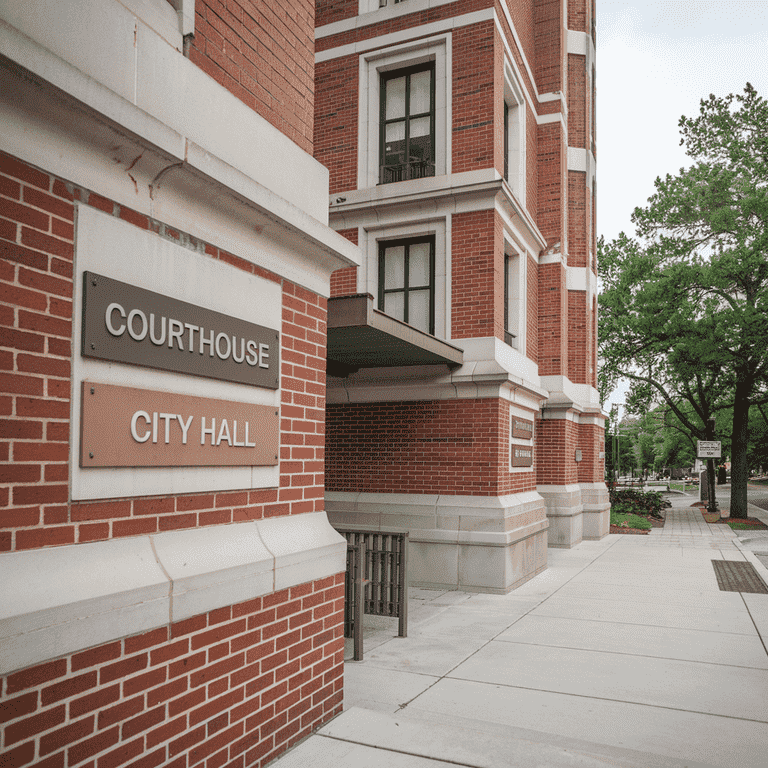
{"x": 491, "y": 369}
{"x": 59, "y": 600}
{"x": 564, "y": 394}
{"x": 223, "y": 206}
{"x": 130, "y": 132}
{"x": 581, "y": 279}
{"x": 517, "y": 161}
{"x": 437, "y": 518}
{"x": 437, "y": 49}
{"x": 479, "y": 190}
{"x": 583, "y": 161}
{"x": 141, "y": 75}
{"x": 393, "y": 38}
{"x": 185, "y": 10}
{"x": 368, "y": 273}
{"x": 446, "y": 25}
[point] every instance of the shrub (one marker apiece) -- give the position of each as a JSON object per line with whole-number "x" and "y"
{"x": 637, "y": 502}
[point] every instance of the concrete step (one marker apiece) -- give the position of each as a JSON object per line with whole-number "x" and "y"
{"x": 361, "y": 737}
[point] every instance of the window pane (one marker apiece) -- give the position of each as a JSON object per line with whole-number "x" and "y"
{"x": 420, "y": 149}
{"x": 395, "y": 97}
{"x": 420, "y": 127}
{"x": 393, "y": 305}
{"x": 394, "y": 267}
{"x": 395, "y": 131}
{"x": 420, "y": 92}
{"x": 418, "y": 265}
{"x": 418, "y": 310}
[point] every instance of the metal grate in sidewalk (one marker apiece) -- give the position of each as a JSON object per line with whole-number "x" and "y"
{"x": 736, "y": 576}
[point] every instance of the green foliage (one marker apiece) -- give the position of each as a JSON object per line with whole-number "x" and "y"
{"x": 684, "y": 308}
{"x": 741, "y": 526}
{"x": 633, "y": 521}
{"x": 635, "y": 501}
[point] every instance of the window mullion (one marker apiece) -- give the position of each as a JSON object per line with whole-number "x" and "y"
{"x": 406, "y": 275}
{"x": 407, "y": 111}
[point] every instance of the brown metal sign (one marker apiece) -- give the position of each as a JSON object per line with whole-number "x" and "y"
{"x": 129, "y": 427}
{"x": 522, "y": 428}
{"x": 127, "y": 324}
{"x": 522, "y": 456}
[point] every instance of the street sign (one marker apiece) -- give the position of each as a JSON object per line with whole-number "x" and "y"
{"x": 708, "y": 449}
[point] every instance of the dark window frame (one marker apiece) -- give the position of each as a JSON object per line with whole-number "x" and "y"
{"x": 509, "y": 337}
{"x": 506, "y": 142}
{"x": 389, "y": 173}
{"x": 406, "y": 289}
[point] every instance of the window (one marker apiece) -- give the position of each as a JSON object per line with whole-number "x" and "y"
{"x": 514, "y": 136}
{"x": 407, "y": 124}
{"x": 510, "y": 267}
{"x": 506, "y": 141}
{"x": 407, "y": 281}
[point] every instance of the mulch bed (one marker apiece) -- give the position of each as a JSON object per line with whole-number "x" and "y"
{"x": 752, "y": 522}
{"x": 655, "y": 523}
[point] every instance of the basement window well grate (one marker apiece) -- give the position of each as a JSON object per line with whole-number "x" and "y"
{"x": 738, "y": 577}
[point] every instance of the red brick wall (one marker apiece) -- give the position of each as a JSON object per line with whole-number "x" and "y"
{"x": 553, "y": 318}
{"x": 549, "y": 40}
{"x": 532, "y": 316}
{"x": 336, "y": 108}
{"x": 551, "y": 214}
{"x": 474, "y": 84}
{"x": 556, "y": 443}
{"x": 401, "y": 23}
{"x": 578, "y": 221}
{"x": 593, "y": 378}
{"x": 578, "y": 347}
{"x": 577, "y": 15}
{"x": 328, "y": 11}
{"x": 577, "y": 101}
{"x": 522, "y": 15}
{"x": 458, "y": 447}
{"x": 591, "y": 469}
{"x": 531, "y": 163}
{"x": 344, "y": 281}
{"x": 35, "y": 355}
{"x": 477, "y": 275}
{"x": 235, "y": 687}
{"x": 263, "y": 53}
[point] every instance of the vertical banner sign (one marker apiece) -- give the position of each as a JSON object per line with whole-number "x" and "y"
{"x": 126, "y": 324}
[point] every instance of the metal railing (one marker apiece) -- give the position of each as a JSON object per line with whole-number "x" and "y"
{"x": 416, "y": 169}
{"x": 380, "y": 586}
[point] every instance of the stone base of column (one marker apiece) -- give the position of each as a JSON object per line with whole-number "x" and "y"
{"x": 564, "y": 513}
{"x": 597, "y": 511}
{"x": 471, "y": 543}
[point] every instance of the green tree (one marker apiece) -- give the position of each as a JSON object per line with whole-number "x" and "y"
{"x": 684, "y": 309}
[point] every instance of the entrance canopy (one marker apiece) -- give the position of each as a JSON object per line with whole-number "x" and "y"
{"x": 360, "y": 336}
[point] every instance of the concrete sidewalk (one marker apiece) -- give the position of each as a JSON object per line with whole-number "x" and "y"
{"x": 623, "y": 653}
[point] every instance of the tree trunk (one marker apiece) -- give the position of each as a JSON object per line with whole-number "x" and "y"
{"x": 712, "y": 498}
{"x": 739, "y": 442}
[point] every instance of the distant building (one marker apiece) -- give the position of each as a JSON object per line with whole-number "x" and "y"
{"x": 171, "y": 593}
{"x": 462, "y": 355}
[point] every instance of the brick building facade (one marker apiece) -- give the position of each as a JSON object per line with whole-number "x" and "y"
{"x": 172, "y": 610}
{"x": 460, "y": 142}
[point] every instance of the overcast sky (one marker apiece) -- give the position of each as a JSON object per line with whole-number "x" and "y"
{"x": 656, "y": 59}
